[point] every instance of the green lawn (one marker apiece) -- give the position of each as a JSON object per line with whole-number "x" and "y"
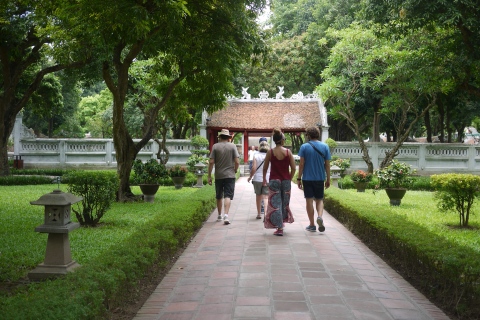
{"x": 130, "y": 239}
{"x": 425, "y": 245}
{"x": 420, "y": 208}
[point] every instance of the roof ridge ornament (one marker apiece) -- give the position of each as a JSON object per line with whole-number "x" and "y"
{"x": 264, "y": 95}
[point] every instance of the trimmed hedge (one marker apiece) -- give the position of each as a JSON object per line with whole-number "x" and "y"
{"x": 445, "y": 271}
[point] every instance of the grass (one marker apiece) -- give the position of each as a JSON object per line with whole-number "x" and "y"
{"x": 130, "y": 239}
{"x": 420, "y": 208}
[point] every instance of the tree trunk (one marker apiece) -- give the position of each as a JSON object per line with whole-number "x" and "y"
{"x": 441, "y": 119}
{"x": 428, "y": 126}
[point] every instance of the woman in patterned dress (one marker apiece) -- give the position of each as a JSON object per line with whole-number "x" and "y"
{"x": 282, "y": 170}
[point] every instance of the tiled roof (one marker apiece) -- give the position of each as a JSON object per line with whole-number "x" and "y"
{"x": 266, "y": 115}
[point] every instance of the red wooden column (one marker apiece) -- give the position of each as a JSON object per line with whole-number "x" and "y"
{"x": 245, "y": 147}
{"x": 213, "y": 134}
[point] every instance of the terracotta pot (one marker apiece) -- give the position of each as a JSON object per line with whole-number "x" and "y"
{"x": 149, "y": 191}
{"x": 360, "y": 186}
{"x": 395, "y": 195}
{"x": 178, "y": 182}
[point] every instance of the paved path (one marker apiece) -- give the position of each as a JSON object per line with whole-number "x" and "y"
{"x": 243, "y": 271}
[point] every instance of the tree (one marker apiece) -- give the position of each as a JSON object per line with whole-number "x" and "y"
{"x": 44, "y": 111}
{"x": 404, "y": 75}
{"x": 28, "y": 35}
{"x": 199, "y": 42}
{"x": 462, "y": 16}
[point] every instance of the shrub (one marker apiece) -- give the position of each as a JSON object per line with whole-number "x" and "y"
{"x": 150, "y": 172}
{"x": 200, "y": 145}
{"x": 25, "y": 180}
{"x": 40, "y": 172}
{"x": 177, "y": 171}
{"x": 332, "y": 144}
{"x": 361, "y": 176}
{"x": 395, "y": 175}
{"x": 343, "y": 164}
{"x": 456, "y": 192}
{"x": 98, "y": 189}
{"x": 194, "y": 159}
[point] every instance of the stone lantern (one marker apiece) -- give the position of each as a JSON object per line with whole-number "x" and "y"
{"x": 335, "y": 175}
{"x": 199, "y": 167}
{"x": 58, "y": 259}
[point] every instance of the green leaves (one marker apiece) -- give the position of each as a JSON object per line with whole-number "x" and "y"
{"x": 456, "y": 192}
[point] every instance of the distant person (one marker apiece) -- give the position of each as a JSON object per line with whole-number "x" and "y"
{"x": 256, "y": 175}
{"x": 224, "y": 157}
{"x": 314, "y": 175}
{"x": 282, "y": 170}
{"x": 251, "y": 154}
{"x": 262, "y": 139}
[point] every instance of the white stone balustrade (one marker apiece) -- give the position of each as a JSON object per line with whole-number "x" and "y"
{"x": 427, "y": 158}
{"x": 95, "y": 153}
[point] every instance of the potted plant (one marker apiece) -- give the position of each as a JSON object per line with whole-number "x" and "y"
{"x": 178, "y": 174}
{"x": 343, "y": 164}
{"x": 360, "y": 179}
{"x": 395, "y": 178}
{"x": 147, "y": 176}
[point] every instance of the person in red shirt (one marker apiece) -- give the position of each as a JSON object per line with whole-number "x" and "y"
{"x": 282, "y": 170}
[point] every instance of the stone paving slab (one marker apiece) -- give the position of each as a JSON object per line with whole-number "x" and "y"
{"x": 242, "y": 271}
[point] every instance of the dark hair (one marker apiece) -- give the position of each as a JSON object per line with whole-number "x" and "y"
{"x": 277, "y": 136}
{"x": 313, "y": 132}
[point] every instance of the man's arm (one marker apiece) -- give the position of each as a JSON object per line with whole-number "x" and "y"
{"x": 211, "y": 162}
{"x": 300, "y": 172}
{"x": 237, "y": 164}
{"x": 327, "y": 171}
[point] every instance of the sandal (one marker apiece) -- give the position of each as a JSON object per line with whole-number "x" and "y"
{"x": 279, "y": 232}
{"x": 259, "y": 217}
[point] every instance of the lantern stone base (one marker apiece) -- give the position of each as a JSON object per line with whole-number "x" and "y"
{"x": 45, "y": 271}
{"x": 199, "y": 181}
{"x": 58, "y": 259}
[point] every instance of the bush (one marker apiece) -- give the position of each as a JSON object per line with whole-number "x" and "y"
{"x": 98, "y": 189}
{"x": 332, "y": 144}
{"x": 343, "y": 164}
{"x": 150, "y": 172}
{"x": 395, "y": 175}
{"x": 194, "y": 159}
{"x": 200, "y": 145}
{"x": 25, "y": 180}
{"x": 456, "y": 192}
{"x": 361, "y": 176}
{"x": 40, "y": 172}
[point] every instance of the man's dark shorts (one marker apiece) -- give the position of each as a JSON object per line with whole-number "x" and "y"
{"x": 225, "y": 188}
{"x": 313, "y": 189}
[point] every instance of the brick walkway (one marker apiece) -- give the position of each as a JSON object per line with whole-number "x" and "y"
{"x": 242, "y": 271}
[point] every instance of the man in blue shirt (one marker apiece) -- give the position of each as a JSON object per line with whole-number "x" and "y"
{"x": 314, "y": 175}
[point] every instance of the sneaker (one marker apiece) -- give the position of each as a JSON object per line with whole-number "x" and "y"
{"x": 279, "y": 232}
{"x": 311, "y": 228}
{"x": 225, "y": 220}
{"x": 219, "y": 218}
{"x": 321, "y": 227}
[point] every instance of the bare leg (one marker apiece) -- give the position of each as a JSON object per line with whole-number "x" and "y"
{"x": 319, "y": 207}
{"x": 259, "y": 203}
{"x": 227, "y": 202}
{"x": 219, "y": 206}
{"x": 310, "y": 211}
